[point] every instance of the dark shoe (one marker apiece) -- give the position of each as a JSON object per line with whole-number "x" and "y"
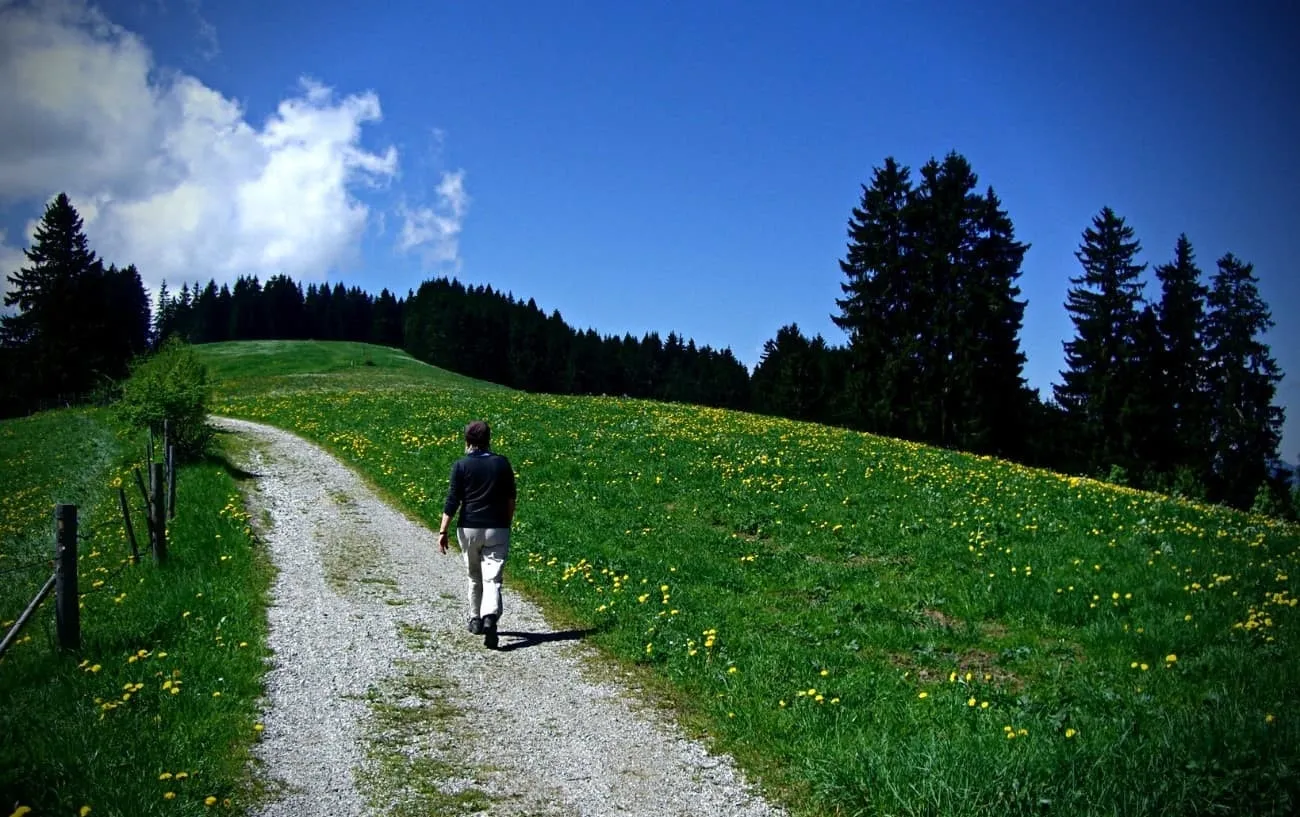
{"x": 476, "y": 625}
{"x": 490, "y": 632}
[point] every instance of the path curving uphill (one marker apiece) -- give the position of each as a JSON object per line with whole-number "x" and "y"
{"x": 379, "y": 702}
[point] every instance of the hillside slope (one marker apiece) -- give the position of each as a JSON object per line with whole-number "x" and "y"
{"x": 874, "y": 626}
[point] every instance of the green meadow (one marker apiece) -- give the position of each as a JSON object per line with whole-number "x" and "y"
{"x": 157, "y": 711}
{"x": 870, "y": 626}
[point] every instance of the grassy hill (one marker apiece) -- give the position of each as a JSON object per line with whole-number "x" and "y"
{"x": 872, "y": 626}
{"x": 264, "y": 364}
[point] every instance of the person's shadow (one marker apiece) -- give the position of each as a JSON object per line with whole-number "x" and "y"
{"x": 522, "y": 640}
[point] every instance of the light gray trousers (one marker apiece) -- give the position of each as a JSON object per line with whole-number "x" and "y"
{"x": 486, "y": 550}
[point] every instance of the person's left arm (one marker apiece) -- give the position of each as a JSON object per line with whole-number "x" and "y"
{"x": 511, "y": 495}
{"x": 450, "y": 506}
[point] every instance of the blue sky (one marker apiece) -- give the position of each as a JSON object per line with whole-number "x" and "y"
{"x": 691, "y": 167}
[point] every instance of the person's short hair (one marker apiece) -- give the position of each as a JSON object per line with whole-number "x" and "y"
{"x": 478, "y": 434}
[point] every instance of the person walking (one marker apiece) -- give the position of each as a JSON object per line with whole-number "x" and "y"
{"x": 482, "y": 489}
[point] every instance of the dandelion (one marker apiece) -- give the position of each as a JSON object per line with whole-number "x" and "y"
{"x": 924, "y": 695}
{"x": 171, "y": 795}
{"x": 732, "y": 670}
{"x": 984, "y": 704}
{"x": 1171, "y": 658}
{"x": 182, "y": 775}
{"x": 1269, "y": 718}
{"x": 970, "y": 702}
{"x": 83, "y": 811}
{"x": 258, "y": 727}
{"x": 209, "y": 800}
{"x": 165, "y": 776}
{"x": 1069, "y": 733}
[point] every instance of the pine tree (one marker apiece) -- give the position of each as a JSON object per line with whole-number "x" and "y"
{"x": 164, "y": 322}
{"x": 932, "y": 312}
{"x": 883, "y": 343}
{"x": 973, "y": 396}
{"x": 1183, "y": 428}
{"x": 47, "y": 330}
{"x": 1104, "y": 305}
{"x": 1143, "y": 415}
{"x": 283, "y": 305}
{"x": 789, "y": 380}
{"x": 1246, "y": 427}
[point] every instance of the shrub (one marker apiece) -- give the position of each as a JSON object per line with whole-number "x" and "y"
{"x": 172, "y": 385}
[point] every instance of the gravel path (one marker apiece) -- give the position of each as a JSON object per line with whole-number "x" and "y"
{"x": 377, "y": 697}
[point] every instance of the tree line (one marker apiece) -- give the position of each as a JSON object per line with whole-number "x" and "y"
{"x": 1172, "y": 394}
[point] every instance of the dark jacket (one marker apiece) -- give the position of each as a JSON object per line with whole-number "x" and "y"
{"x": 482, "y": 486}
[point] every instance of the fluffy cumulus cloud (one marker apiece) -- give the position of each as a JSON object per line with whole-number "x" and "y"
{"x": 169, "y": 174}
{"x": 434, "y": 230}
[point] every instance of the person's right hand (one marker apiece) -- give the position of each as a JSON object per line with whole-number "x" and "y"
{"x": 442, "y": 541}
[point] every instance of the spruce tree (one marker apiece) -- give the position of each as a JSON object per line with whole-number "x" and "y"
{"x": 48, "y": 330}
{"x": 967, "y": 261}
{"x": 883, "y": 341}
{"x": 1245, "y": 425}
{"x": 931, "y": 310}
{"x": 1184, "y": 425}
{"x": 789, "y": 380}
{"x": 1104, "y": 304}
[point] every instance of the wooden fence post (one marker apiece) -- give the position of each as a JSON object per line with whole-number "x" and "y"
{"x": 130, "y": 531}
{"x": 67, "y": 603}
{"x": 171, "y": 481}
{"x": 158, "y": 505}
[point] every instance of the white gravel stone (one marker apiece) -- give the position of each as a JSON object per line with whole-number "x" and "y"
{"x": 536, "y": 730}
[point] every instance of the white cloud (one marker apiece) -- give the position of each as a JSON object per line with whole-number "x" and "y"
{"x": 435, "y": 231}
{"x": 207, "y": 33}
{"x": 170, "y": 175}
